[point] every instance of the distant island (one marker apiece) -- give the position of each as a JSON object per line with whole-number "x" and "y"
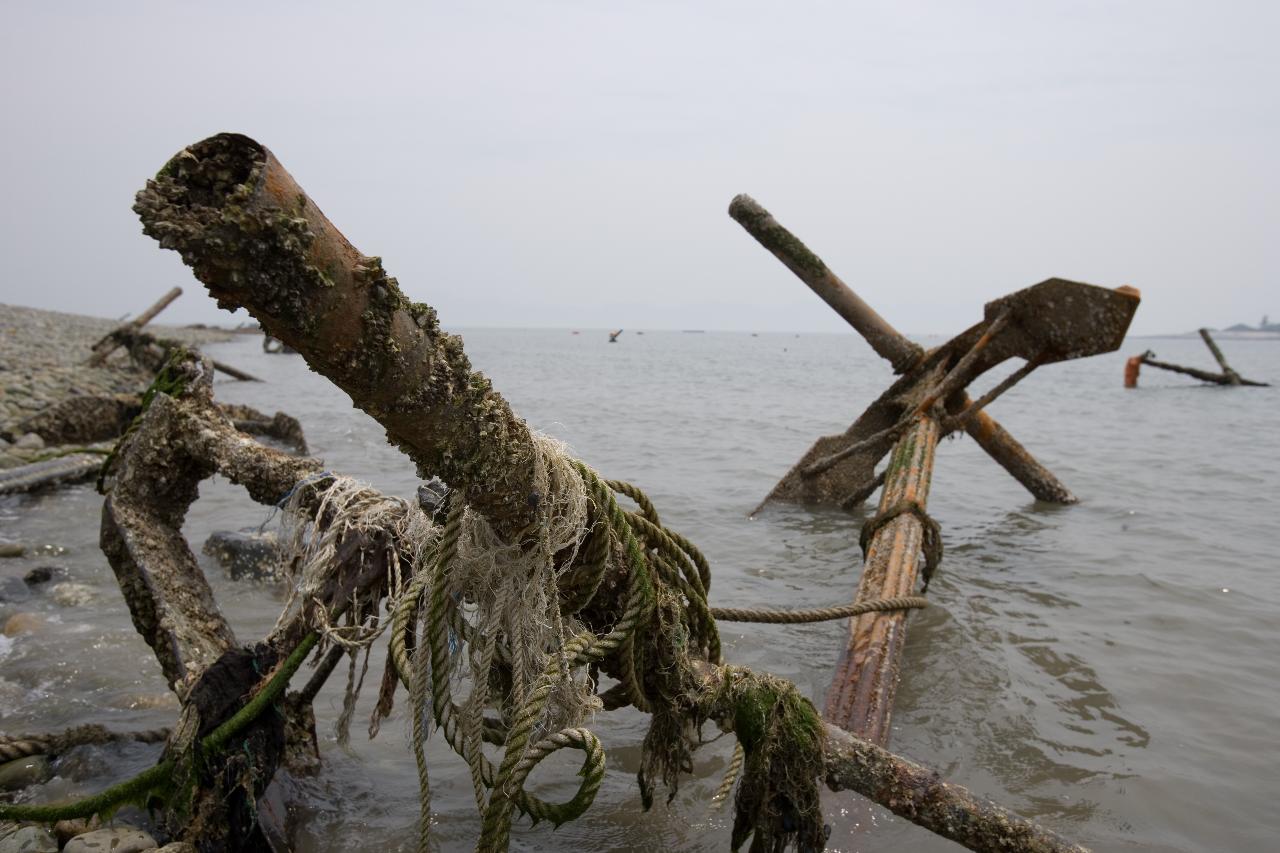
{"x": 1264, "y": 326}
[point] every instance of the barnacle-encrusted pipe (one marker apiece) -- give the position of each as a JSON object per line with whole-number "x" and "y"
{"x": 256, "y": 241}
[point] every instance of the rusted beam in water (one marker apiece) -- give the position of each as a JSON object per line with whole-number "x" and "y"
{"x": 1227, "y": 377}
{"x": 1232, "y": 377}
{"x": 111, "y": 342}
{"x": 861, "y": 696}
{"x": 899, "y": 351}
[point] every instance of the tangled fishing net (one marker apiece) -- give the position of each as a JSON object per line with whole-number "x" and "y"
{"x": 505, "y": 643}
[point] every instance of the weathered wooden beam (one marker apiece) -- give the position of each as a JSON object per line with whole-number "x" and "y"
{"x": 256, "y": 240}
{"x": 894, "y": 347}
{"x": 860, "y": 699}
{"x": 111, "y": 342}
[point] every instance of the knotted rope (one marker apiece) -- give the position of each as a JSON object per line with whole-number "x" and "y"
{"x": 931, "y": 539}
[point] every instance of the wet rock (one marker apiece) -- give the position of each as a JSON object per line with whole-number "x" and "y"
{"x": 41, "y": 575}
{"x": 24, "y": 772}
{"x": 245, "y": 554}
{"x": 13, "y": 591}
{"x": 145, "y": 701}
{"x": 29, "y": 441}
{"x": 12, "y": 549}
{"x": 118, "y": 839}
{"x": 23, "y": 623}
{"x": 28, "y": 839}
{"x": 69, "y": 829}
{"x": 72, "y": 594}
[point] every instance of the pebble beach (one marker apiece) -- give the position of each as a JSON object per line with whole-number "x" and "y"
{"x": 43, "y": 359}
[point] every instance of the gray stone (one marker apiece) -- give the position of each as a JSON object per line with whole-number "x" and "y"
{"x": 72, "y": 594}
{"x": 177, "y": 847}
{"x": 30, "y": 441}
{"x": 24, "y": 772}
{"x": 246, "y": 554}
{"x": 29, "y": 839}
{"x": 118, "y": 839}
{"x": 41, "y": 575}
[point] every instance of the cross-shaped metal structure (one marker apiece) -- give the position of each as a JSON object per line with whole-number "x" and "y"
{"x": 1052, "y": 321}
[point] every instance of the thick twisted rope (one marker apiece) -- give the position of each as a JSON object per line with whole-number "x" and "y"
{"x": 821, "y": 614}
{"x": 157, "y": 777}
{"x": 24, "y": 746}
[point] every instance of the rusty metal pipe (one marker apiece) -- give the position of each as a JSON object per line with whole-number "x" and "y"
{"x": 256, "y": 240}
{"x": 887, "y": 341}
{"x": 861, "y": 696}
{"x": 1231, "y": 375}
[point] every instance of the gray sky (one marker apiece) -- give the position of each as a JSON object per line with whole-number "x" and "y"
{"x": 570, "y": 163}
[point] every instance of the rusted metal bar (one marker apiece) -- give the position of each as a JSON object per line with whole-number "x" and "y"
{"x": 891, "y": 345}
{"x": 1148, "y": 358}
{"x": 922, "y": 797}
{"x": 861, "y": 696}
{"x": 961, "y": 420}
{"x": 887, "y": 341}
{"x": 1232, "y": 376}
{"x": 111, "y": 342}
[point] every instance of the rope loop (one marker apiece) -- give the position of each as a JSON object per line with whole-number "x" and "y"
{"x": 931, "y": 538}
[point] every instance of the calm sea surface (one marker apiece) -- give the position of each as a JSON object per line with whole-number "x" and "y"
{"x": 1111, "y": 669}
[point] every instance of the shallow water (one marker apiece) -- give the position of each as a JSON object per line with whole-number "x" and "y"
{"x": 1109, "y": 668}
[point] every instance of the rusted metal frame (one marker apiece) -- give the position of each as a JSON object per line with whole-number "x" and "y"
{"x": 113, "y": 341}
{"x": 860, "y": 699}
{"x": 961, "y": 420}
{"x": 1202, "y": 375}
{"x": 957, "y": 377}
{"x": 890, "y": 344}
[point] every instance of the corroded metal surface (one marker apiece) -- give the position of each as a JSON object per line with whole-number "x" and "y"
{"x": 252, "y": 235}
{"x": 845, "y": 483}
{"x": 861, "y": 696}
{"x": 1057, "y": 320}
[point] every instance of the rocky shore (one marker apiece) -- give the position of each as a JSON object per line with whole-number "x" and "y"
{"x": 43, "y": 360}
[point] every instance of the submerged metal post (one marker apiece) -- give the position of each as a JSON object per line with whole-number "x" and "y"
{"x": 861, "y": 696}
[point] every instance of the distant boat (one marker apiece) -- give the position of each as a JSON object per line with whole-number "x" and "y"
{"x": 694, "y": 331}
{"x": 574, "y": 332}
{"x": 613, "y": 336}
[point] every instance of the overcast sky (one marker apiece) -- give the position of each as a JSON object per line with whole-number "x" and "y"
{"x": 570, "y": 163}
